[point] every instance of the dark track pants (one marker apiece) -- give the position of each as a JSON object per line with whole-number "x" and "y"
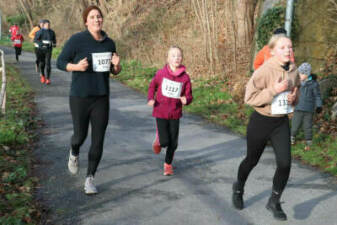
{"x": 44, "y": 57}
{"x": 96, "y": 111}
{"x": 168, "y": 131}
{"x": 37, "y": 58}
{"x": 260, "y": 129}
{"x": 17, "y": 52}
{"x": 305, "y": 118}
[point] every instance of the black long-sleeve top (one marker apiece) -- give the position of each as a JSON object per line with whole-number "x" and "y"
{"x": 89, "y": 82}
{"x": 45, "y": 38}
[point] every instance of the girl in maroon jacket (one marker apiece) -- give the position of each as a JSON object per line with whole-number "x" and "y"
{"x": 169, "y": 90}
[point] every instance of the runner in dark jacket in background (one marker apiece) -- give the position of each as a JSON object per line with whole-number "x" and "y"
{"x": 46, "y": 40}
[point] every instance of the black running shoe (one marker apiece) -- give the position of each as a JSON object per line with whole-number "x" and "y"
{"x": 275, "y": 208}
{"x": 237, "y": 199}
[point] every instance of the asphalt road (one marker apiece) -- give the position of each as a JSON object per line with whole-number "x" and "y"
{"x": 133, "y": 190}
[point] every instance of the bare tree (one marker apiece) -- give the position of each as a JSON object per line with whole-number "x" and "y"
{"x": 333, "y": 10}
{"x": 26, "y": 9}
{"x": 205, "y": 11}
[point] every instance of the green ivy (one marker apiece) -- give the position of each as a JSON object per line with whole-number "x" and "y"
{"x": 273, "y": 18}
{"x": 16, "y": 19}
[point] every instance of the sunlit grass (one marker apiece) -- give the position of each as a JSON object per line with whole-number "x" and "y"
{"x": 17, "y": 205}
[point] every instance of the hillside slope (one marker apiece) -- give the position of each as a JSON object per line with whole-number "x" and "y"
{"x": 216, "y": 35}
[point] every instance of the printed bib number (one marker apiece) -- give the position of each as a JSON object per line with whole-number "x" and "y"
{"x": 280, "y": 104}
{"x": 17, "y": 42}
{"x": 46, "y": 42}
{"x": 101, "y": 62}
{"x": 171, "y": 89}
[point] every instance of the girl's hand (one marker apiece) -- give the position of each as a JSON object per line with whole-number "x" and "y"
{"x": 151, "y": 103}
{"x": 281, "y": 85}
{"x": 183, "y": 100}
{"x": 292, "y": 96}
{"x": 115, "y": 60}
{"x": 82, "y": 65}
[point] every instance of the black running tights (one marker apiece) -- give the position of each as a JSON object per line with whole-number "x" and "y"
{"x": 96, "y": 111}
{"x": 168, "y": 131}
{"x": 261, "y": 129}
{"x": 44, "y": 57}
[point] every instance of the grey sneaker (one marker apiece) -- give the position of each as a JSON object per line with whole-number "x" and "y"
{"x": 292, "y": 140}
{"x": 73, "y": 163}
{"x": 89, "y": 186}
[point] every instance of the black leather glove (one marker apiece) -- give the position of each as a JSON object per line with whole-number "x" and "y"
{"x": 318, "y": 109}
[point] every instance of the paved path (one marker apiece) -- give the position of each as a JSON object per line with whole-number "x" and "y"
{"x": 133, "y": 190}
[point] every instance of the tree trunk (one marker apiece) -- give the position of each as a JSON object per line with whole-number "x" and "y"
{"x": 26, "y": 11}
{"x": 240, "y": 26}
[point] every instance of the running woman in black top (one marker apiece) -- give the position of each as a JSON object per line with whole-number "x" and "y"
{"x": 90, "y": 56}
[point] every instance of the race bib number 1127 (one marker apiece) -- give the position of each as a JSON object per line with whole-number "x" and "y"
{"x": 171, "y": 89}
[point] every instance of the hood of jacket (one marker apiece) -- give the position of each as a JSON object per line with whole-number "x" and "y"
{"x": 179, "y": 71}
{"x": 104, "y": 35}
{"x": 275, "y": 64}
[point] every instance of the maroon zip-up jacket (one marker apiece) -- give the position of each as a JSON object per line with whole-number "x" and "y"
{"x": 166, "y": 88}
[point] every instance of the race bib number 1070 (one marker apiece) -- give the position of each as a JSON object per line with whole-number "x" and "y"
{"x": 101, "y": 62}
{"x": 171, "y": 89}
{"x": 280, "y": 104}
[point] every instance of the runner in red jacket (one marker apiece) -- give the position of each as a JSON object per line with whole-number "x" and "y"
{"x": 17, "y": 43}
{"x": 13, "y": 30}
{"x": 169, "y": 90}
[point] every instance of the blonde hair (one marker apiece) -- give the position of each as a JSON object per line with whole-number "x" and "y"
{"x": 274, "y": 39}
{"x": 175, "y": 47}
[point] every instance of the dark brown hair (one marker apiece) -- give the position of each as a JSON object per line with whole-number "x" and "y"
{"x": 87, "y": 11}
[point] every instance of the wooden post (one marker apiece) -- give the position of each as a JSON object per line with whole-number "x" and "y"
{"x": 3, "y": 84}
{"x": 0, "y": 23}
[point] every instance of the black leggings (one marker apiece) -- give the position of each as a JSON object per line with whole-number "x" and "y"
{"x": 37, "y": 56}
{"x": 96, "y": 111}
{"x": 17, "y": 52}
{"x": 260, "y": 129}
{"x": 44, "y": 57}
{"x": 168, "y": 131}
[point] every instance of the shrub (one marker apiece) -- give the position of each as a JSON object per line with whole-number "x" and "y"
{"x": 274, "y": 18}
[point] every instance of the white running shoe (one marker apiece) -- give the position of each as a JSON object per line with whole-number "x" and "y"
{"x": 89, "y": 186}
{"x": 292, "y": 140}
{"x": 73, "y": 163}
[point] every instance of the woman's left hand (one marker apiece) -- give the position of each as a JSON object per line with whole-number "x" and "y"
{"x": 115, "y": 60}
{"x": 292, "y": 96}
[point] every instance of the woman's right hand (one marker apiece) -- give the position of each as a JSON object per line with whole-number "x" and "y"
{"x": 151, "y": 103}
{"x": 281, "y": 85}
{"x": 82, "y": 65}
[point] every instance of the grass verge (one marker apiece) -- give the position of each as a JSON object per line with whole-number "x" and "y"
{"x": 17, "y": 128}
{"x": 322, "y": 153}
{"x": 213, "y": 101}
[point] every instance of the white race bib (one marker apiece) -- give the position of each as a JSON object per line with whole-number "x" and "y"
{"x": 101, "y": 62}
{"x": 46, "y": 42}
{"x": 17, "y": 41}
{"x": 280, "y": 104}
{"x": 171, "y": 89}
